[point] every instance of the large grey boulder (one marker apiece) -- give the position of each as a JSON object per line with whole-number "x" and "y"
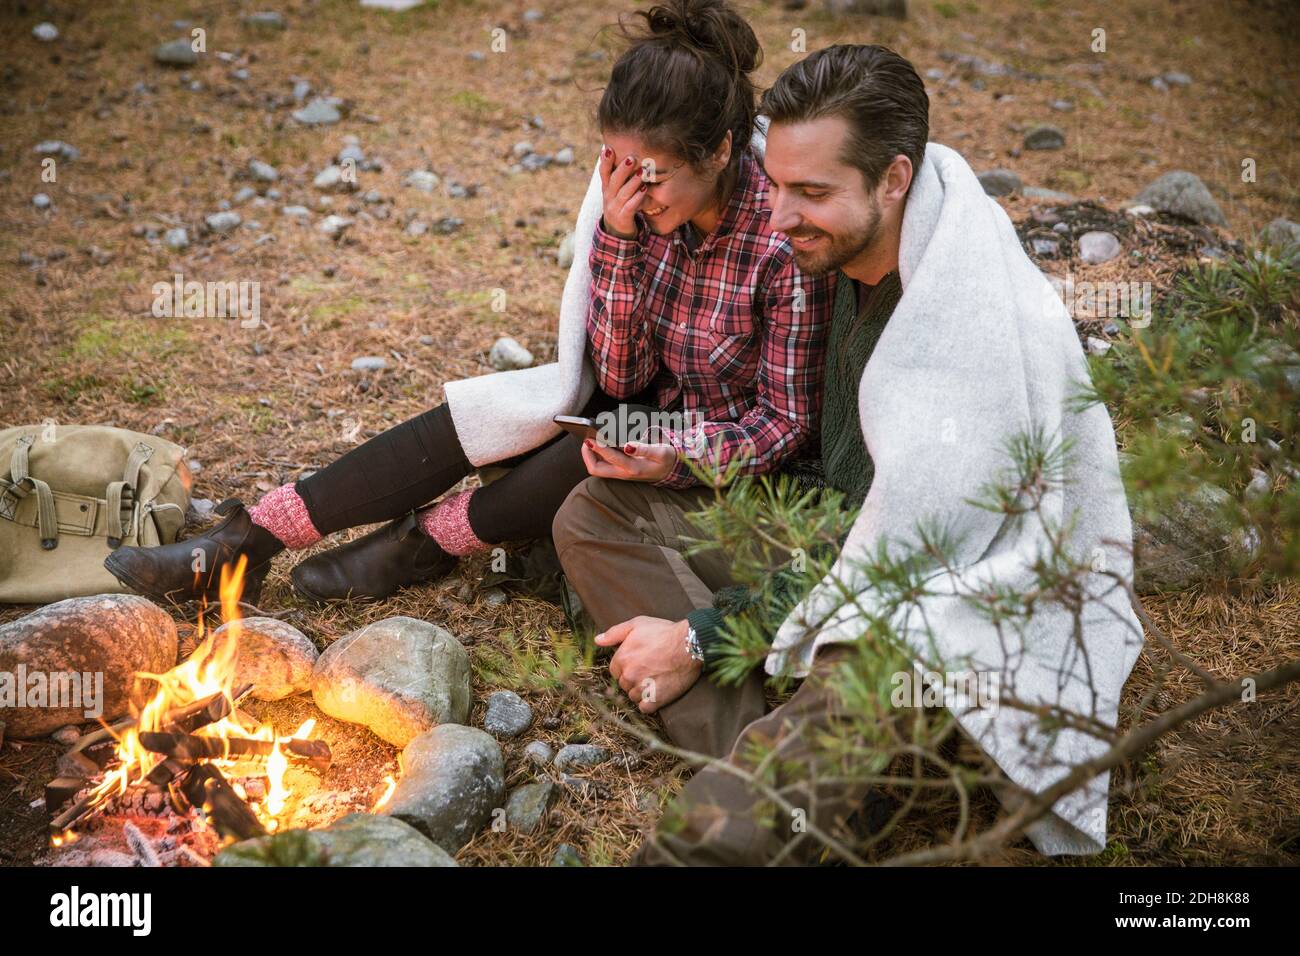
{"x": 358, "y": 839}
{"x": 399, "y": 677}
{"x": 104, "y": 640}
{"x": 453, "y": 777}
{"x": 526, "y": 808}
{"x": 275, "y": 657}
{"x": 1182, "y": 194}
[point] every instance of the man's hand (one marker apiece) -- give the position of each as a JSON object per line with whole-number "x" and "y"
{"x": 651, "y": 663}
{"x": 635, "y": 462}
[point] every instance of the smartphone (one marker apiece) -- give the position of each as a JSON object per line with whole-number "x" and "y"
{"x": 581, "y": 427}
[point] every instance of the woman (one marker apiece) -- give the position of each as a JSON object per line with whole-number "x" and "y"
{"x": 695, "y": 308}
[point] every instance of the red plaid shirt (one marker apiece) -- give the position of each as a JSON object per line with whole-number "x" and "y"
{"x": 732, "y": 334}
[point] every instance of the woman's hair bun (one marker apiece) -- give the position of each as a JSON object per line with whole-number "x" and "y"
{"x": 713, "y": 27}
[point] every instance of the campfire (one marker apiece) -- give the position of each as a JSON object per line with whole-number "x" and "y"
{"x": 189, "y": 753}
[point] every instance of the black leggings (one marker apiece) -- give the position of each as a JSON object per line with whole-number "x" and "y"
{"x": 411, "y": 464}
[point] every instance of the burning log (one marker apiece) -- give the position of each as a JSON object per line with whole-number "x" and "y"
{"x": 206, "y": 787}
{"x": 185, "y": 720}
{"x": 188, "y": 747}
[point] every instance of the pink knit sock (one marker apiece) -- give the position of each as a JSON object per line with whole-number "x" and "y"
{"x": 283, "y": 513}
{"x": 447, "y": 523}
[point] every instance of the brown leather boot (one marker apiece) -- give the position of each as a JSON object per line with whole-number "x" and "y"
{"x": 373, "y": 567}
{"x": 190, "y": 569}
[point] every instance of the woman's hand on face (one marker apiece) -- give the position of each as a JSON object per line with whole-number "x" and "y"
{"x": 635, "y": 462}
{"x": 624, "y": 192}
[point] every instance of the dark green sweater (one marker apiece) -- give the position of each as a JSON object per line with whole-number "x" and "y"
{"x": 856, "y": 323}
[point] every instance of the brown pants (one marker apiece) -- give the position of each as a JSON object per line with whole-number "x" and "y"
{"x": 621, "y": 544}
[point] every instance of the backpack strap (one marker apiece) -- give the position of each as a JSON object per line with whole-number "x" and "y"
{"x": 120, "y": 495}
{"x": 47, "y": 518}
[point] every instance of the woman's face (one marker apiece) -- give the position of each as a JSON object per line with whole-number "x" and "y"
{"x": 674, "y": 192}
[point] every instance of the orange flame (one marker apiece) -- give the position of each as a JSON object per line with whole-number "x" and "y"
{"x": 209, "y": 670}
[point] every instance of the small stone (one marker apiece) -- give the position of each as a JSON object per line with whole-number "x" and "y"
{"x": 1181, "y": 193}
{"x": 319, "y": 112}
{"x": 77, "y": 764}
{"x": 1281, "y": 232}
{"x": 245, "y": 194}
{"x": 1174, "y": 78}
{"x": 580, "y": 756}
{"x": 1051, "y": 195}
{"x": 421, "y": 179}
{"x": 565, "y": 855}
{"x": 369, "y": 363}
{"x": 41, "y": 201}
{"x": 1140, "y": 211}
{"x": 521, "y": 149}
{"x": 240, "y": 75}
{"x": 564, "y": 157}
{"x": 1061, "y": 228}
{"x": 1097, "y": 346}
{"x": 267, "y": 20}
{"x": 507, "y": 354}
{"x": 448, "y": 224}
{"x": 426, "y": 340}
{"x": 200, "y": 509}
{"x": 508, "y": 715}
{"x": 301, "y": 90}
{"x": 67, "y": 736}
{"x": 1045, "y": 137}
{"x": 1111, "y": 328}
{"x": 1261, "y": 486}
{"x": 45, "y": 32}
{"x": 334, "y": 226}
{"x": 1098, "y": 247}
{"x": 416, "y": 228}
{"x": 1000, "y": 182}
{"x": 223, "y": 221}
{"x": 331, "y": 177}
{"x": 527, "y": 805}
{"x": 56, "y": 147}
{"x": 176, "y": 239}
{"x": 176, "y": 53}
{"x": 539, "y": 752}
{"x": 262, "y": 172}
{"x": 1062, "y": 106}
{"x": 1045, "y": 247}
{"x": 300, "y": 212}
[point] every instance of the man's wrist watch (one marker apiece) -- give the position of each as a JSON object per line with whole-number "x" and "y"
{"x": 693, "y": 644}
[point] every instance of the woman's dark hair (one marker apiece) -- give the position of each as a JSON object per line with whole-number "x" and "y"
{"x": 876, "y": 91}
{"x": 683, "y": 81}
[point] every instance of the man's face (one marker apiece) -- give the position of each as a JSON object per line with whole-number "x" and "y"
{"x": 817, "y": 200}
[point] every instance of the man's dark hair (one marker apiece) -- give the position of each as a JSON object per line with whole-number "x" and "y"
{"x": 876, "y": 91}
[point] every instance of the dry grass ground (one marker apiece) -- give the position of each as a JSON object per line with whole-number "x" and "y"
{"x": 259, "y": 406}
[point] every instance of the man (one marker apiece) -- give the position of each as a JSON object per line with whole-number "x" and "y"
{"x": 970, "y": 363}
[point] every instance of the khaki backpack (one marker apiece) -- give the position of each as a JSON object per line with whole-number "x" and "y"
{"x": 69, "y": 494}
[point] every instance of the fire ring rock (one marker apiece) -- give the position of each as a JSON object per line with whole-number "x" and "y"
{"x": 357, "y": 839}
{"x": 106, "y": 636}
{"x": 453, "y": 778}
{"x": 275, "y": 657}
{"x": 398, "y": 676}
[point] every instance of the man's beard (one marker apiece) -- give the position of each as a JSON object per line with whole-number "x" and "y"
{"x": 840, "y": 249}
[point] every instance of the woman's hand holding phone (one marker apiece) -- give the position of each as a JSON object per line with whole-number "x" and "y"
{"x": 624, "y": 192}
{"x": 636, "y": 461}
